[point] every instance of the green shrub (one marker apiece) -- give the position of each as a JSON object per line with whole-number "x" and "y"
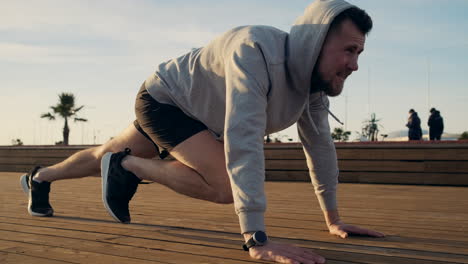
{"x": 464, "y": 135}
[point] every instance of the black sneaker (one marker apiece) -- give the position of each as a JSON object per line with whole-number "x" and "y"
{"x": 38, "y": 194}
{"x": 118, "y": 185}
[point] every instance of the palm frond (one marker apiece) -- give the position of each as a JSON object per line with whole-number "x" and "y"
{"x": 78, "y": 109}
{"x": 77, "y": 119}
{"x": 48, "y": 115}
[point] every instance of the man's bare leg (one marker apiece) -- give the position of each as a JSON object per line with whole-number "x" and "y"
{"x": 87, "y": 162}
{"x": 199, "y": 170}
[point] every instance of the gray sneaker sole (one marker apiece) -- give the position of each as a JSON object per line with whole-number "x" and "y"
{"x": 34, "y": 213}
{"x": 24, "y": 183}
{"x": 105, "y": 161}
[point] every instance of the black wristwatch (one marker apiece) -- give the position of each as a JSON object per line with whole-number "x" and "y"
{"x": 258, "y": 238}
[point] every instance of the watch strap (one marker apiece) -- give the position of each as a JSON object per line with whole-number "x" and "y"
{"x": 250, "y": 243}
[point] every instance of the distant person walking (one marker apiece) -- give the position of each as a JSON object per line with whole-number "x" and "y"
{"x": 436, "y": 125}
{"x": 414, "y": 125}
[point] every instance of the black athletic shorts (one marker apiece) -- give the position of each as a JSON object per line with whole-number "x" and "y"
{"x": 165, "y": 125}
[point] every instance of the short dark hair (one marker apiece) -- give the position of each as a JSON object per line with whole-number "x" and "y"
{"x": 358, "y": 16}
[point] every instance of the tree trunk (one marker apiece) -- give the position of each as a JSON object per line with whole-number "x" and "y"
{"x": 66, "y": 133}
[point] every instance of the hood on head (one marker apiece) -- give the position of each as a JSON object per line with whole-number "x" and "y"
{"x": 306, "y": 39}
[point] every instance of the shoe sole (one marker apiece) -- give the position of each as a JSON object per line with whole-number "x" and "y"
{"x": 24, "y": 183}
{"x": 105, "y": 161}
{"x": 37, "y": 214}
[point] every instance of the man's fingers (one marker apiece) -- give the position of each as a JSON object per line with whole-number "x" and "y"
{"x": 283, "y": 253}
{"x": 316, "y": 258}
{"x": 282, "y": 259}
{"x": 305, "y": 255}
{"x": 343, "y": 234}
{"x": 343, "y": 230}
{"x": 286, "y": 257}
{"x": 311, "y": 255}
{"x": 295, "y": 259}
{"x": 340, "y": 233}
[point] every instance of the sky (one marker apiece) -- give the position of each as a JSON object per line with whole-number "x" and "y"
{"x": 101, "y": 51}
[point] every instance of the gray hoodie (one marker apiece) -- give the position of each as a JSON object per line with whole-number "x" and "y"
{"x": 252, "y": 81}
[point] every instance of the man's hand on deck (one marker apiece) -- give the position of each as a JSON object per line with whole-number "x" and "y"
{"x": 343, "y": 230}
{"x": 338, "y": 228}
{"x": 284, "y": 253}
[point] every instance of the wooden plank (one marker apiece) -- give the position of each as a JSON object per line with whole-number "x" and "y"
{"x": 377, "y": 166}
{"x": 377, "y": 154}
{"x": 124, "y": 249}
{"x": 30, "y": 160}
{"x": 7, "y": 257}
{"x": 294, "y": 151}
{"x": 284, "y": 153}
{"x": 369, "y": 165}
{"x": 63, "y": 254}
{"x": 451, "y": 144}
{"x": 282, "y": 175}
{"x": 442, "y": 166}
{"x": 404, "y": 178}
{"x": 286, "y": 165}
{"x": 16, "y": 167}
{"x": 403, "y": 154}
{"x": 38, "y": 152}
{"x": 399, "y": 166}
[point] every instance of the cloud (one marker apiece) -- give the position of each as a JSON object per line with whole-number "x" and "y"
{"x": 80, "y": 31}
{"x": 24, "y": 53}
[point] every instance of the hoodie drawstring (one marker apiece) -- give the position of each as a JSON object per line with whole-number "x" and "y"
{"x": 328, "y": 110}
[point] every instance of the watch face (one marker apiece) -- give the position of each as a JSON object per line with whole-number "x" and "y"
{"x": 260, "y": 237}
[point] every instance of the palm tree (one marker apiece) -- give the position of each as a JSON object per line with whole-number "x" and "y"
{"x": 371, "y": 128}
{"x": 66, "y": 109}
{"x": 340, "y": 134}
{"x": 17, "y": 142}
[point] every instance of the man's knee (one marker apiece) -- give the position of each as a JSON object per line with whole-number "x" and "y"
{"x": 99, "y": 151}
{"x": 113, "y": 145}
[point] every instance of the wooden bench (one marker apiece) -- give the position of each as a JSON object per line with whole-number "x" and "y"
{"x": 23, "y": 158}
{"x": 442, "y": 163}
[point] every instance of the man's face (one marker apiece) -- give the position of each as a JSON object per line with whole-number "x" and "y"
{"x": 338, "y": 58}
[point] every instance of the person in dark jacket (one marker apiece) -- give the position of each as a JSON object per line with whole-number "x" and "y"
{"x": 436, "y": 124}
{"x": 414, "y": 125}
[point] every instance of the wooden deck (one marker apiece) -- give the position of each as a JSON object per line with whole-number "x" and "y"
{"x": 424, "y": 224}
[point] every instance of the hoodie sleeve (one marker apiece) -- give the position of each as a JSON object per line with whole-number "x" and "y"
{"x": 245, "y": 122}
{"x": 314, "y": 133}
